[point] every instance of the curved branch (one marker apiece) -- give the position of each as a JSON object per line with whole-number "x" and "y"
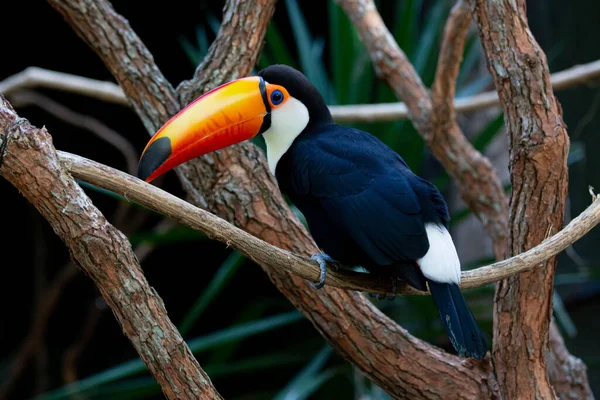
{"x": 104, "y": 253}
{"x": 115, "y": 139}
{"x": 479, "y": 185}
{"x": 539, "y": 146}
{"x": 264, "y": 253}
{"x": 448, "y": 67}
{"x": 235, "y": 50}
{"x": 34, "y": 77}
{"x": 126, "y": 57}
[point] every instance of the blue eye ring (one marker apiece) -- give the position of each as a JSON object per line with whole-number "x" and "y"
{"x": 276, "y": 97}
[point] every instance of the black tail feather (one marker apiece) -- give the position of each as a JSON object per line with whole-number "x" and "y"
{"x": 458, "y": 320}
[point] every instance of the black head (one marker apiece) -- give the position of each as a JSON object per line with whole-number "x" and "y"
{"x": 299, "y": 87}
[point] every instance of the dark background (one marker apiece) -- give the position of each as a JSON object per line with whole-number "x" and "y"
{"x": 33, "y": 34}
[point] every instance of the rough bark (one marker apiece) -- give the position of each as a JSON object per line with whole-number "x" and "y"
{"x": 235, "y": 184}
{"x": 275, "y": 258}
{"x": 103, "y": 253}
{"x": 235, "y": 51}
{"x": 479, "y": 185}
{"x": 538, "y": 152}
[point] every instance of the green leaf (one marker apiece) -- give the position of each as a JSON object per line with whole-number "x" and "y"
{"x": 308, "y": 49}
{"x": 405, "y": 27}
{"x": 309, "y": 379}
{"x": 426, "y": 53}
{"x": 195, "y": 51}
{"x": 142, "y": 387}
{"x": 475, "y": 86}
{"x": 222, "y": 277}
{"x": 471, "y": 55}
{"x": 251, "y": 312}
{"x": 341, "y": 37}
{"x": 576, "y": 152}
{"x": 213, "y": 22}
{"x": 562, "y": 316}
{"x": 277, "y": 48}
{"x": 204, "y": 343}
{"x": 488, "y": 133}
{"x": 254, "y": 364}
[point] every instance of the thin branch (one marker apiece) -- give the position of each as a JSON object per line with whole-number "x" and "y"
{"x": 479, "y": 184}
{"x": 126, "y": 57}
{"x": 264, "y": 253}
{"x": 539, "y": 145}
{"x": 119, "y": 142}
{"x": 448, "y": 67}
{"x": 32, "y": 166}
{"x": 34, "y": 77}
{"x": 235, "y": 50}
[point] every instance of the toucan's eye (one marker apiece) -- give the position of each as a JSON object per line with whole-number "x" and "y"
{"x": 276, "y": 97}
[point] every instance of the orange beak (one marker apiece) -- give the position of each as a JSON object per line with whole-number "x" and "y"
{"x": 229, "y": 114}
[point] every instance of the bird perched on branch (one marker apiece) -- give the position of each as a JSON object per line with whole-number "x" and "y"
{"x": 362, "y": 203}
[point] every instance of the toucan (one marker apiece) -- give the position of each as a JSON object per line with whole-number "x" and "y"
{"x": 362, "y": 203}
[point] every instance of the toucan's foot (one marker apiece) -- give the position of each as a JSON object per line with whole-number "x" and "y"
{"x": 322, "y": 259}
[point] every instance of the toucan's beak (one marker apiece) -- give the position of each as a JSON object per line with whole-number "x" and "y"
{"x": 224, "y": 116}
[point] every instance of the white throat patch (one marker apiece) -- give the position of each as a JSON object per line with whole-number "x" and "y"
{"x": 287, "y": 122}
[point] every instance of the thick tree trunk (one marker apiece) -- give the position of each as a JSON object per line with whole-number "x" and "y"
{"x": 538, "y": 152}
{"x": 104, "y": 253}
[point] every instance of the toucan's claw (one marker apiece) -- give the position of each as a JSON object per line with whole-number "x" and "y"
{"x": 322, "y": 259}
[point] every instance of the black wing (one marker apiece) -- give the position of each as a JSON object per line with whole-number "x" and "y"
{"x": 366, "y": 189}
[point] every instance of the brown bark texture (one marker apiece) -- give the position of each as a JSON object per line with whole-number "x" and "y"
{"x": 275, "y": 258}
{"x": 538, "y": 152}
{"x": 479, "y": 184}
{"x": 236, "y": 185}
{"x": 472, "y": 171}
{"x": 103, "y": 253}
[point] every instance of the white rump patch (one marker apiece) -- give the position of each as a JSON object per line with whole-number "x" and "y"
{"x": 441, "y": 263}
{"x": 287, "y": 122}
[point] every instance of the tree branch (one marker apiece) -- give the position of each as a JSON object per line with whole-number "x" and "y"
{"x": 565, "y": 79}
{"x": 448, "y": 67}
{"x": 479, "y": 185}
{"x": 538, "y": 152}
{"x": 119, "y": 142}
{"x": 273, "y": 257}
{"x": 32, "y": 166}
{"x": 235, "y": 51}
{"x": 34, "y": 77}
{"x": 126, "y": 57}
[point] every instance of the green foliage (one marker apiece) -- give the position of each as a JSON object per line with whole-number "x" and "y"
{"x": 225, "y": 272}
{"x": 197, "y": 345}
